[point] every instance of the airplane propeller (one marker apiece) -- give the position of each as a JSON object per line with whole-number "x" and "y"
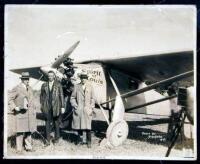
{"x": 66, "y": 54}
{"x": 71, "y": 49}
{"x": 58, "y": 61}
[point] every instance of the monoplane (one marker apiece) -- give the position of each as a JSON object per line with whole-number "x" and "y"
{"x": 120, "y": 83}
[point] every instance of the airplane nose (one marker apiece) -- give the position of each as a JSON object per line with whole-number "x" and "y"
{"x": 43, "y": 69}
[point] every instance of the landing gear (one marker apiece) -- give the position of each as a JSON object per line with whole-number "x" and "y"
{"x": 117, "y": 132}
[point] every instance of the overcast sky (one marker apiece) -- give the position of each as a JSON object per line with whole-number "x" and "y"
{"x": 35, "y": 35}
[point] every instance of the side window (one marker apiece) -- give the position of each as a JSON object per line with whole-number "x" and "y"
{"x": 124, "y": 81}
{"x": 132, "y": 84}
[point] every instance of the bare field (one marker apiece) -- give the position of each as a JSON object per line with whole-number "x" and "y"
{"x": 147, "y": 138}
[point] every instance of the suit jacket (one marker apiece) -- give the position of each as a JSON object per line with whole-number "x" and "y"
{"x": 21, "y": 121}
{"x": 83, "y": 103}
{"x": 51, "y": 99}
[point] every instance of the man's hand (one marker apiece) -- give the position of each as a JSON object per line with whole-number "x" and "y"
{"x": 17, "y": 109}
{"x": 89, "y": 111}
{"x": 62, "y": 110}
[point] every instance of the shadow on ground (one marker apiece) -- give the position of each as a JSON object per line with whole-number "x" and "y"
{"x": 137, "y": 131}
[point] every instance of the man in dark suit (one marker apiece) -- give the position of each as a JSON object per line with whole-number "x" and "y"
{"x": 52, "y": 105}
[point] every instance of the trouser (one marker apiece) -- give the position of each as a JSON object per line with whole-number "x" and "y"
{"x": 66, "y": 118}
{"x": 88, "y": 136}
{"x": 23, "y": 138}
{"x": 81, "y": 134}
{"x": 52, "y": 124}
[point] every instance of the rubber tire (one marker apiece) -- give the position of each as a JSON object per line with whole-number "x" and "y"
{"x": 117, "y": 132}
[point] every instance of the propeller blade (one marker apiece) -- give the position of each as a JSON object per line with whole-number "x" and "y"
{"x": 71, "y": 49}
{"x": 66, "y": 54}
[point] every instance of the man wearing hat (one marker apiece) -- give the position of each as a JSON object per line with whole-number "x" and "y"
{"x": 82, "y": 100}
{"x": 22, "y": 107}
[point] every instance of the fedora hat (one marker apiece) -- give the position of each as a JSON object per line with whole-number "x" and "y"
{"x": 25, "y": 75}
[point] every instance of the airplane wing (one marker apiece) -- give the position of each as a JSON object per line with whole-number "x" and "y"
{"x": 153, "y": 68}
{"x": 33, "y": 71}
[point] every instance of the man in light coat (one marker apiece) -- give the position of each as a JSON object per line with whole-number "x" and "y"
{"x": 52, "y": 105}
{"x": 21, "y": 107}
{"x": 82, "y": 100}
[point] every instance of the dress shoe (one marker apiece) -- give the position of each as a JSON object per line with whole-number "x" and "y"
{"x": 83, "y": 143}
{"x": 78, "y": 141}
{"x": 89, "y": 145}
{"x": 47, "y": 144}
{"x": 29, "y": 150}
{"x": 56, "y": 141}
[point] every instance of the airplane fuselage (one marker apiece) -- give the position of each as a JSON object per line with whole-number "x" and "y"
{"x": 103, "y": 88}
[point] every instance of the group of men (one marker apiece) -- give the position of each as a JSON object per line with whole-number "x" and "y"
{"x": 52, "y": 100}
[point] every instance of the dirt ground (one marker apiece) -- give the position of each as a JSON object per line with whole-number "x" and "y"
{"x": 146, "y": 139}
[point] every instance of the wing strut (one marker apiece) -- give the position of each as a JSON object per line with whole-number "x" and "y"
{"x": 102, "y": 110}
{"x": 151, "y": 102}
{"x": 38, "y": 80}
{"x": 153, "y": 86}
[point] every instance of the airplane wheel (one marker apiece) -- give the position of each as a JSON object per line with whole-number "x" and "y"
{"x": 117, "y": 132}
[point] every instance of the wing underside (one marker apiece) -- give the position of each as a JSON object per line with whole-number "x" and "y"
{"x": 33, "y": 71}
{"x": 154, "y": 68}
{"x": 150, "y": 68}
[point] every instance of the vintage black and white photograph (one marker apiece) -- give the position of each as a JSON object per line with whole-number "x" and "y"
{"x": 100, "y": 82}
